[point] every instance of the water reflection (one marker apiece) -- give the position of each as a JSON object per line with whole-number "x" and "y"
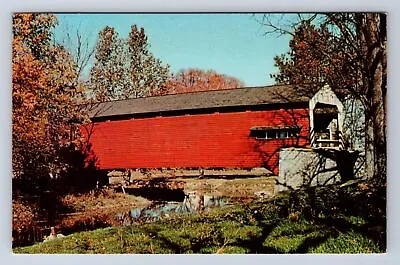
{"x": 192, "y": 203}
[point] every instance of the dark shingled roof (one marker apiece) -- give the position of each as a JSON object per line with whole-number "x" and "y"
{"x": 240, "y": 97}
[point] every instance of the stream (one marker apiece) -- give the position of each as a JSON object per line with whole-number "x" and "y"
{"x": 192, "y": 203}
{"x": 166, "y": 203}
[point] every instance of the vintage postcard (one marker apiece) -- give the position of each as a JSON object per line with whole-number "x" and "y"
{"x": 199, "y": 133}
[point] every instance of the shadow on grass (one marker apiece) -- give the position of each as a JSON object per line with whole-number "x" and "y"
{"x": 374, "y": 230}
{"x": 255, "y": 243}
{"x": 311, "y": 242}
{"x": 165, "y": 243}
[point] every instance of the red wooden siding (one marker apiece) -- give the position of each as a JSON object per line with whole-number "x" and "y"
{"x": 218, "y": 140}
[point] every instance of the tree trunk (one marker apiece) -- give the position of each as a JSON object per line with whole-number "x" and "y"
{"x": 373, "y": 42}
{"x": 379, "y": 126}
{"x": 369, "y": 147}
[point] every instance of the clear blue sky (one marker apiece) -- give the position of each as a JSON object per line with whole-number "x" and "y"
{"x": 232, "y": 44}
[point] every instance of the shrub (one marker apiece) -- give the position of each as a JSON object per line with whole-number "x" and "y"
{"x": 358, "y": 199}
{"x": 351, "y": 242}
{"x": 23, "y": 215}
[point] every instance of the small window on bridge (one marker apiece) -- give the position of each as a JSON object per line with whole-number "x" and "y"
{"x": 274, "y": 132}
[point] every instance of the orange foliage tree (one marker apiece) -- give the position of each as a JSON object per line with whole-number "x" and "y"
{"x": 316, "y": 58}
{"x": 44, "y": 89}
{"x": 194, "y": 80}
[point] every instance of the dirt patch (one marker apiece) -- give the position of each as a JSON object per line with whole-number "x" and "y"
{"x": 238, "y": 187}
{"x": 229, "y": 187}
{"x": 102, "y": 199}
{"x": 97, "y": 208}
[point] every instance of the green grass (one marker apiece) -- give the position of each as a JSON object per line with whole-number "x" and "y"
{"x": 235, "y": 229}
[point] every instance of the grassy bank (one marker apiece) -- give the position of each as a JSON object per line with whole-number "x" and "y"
{"x": 69, "y": 213}
{"x": 255, "y": 228}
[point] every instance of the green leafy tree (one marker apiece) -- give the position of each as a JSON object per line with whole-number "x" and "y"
{"x": 147, "y": 74}
{"x": 108, "y": 74}
{"x": 125, "y": 68}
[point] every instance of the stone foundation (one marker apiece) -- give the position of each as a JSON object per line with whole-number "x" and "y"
{"x": 315, "y": 167}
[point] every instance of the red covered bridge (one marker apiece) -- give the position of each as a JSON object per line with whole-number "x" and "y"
{"x": 239, "y": 128}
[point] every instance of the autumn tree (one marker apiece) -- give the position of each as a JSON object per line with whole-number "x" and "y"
{"x": 194, "y": 80}
{"x": 318, "y": 51}
{"x": 348, "y": 52}
{"x": 125, "y": 68}
{"x": 42, "y": 95}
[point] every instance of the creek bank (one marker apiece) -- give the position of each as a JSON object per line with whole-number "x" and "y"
{"x": 149, "y": 198}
